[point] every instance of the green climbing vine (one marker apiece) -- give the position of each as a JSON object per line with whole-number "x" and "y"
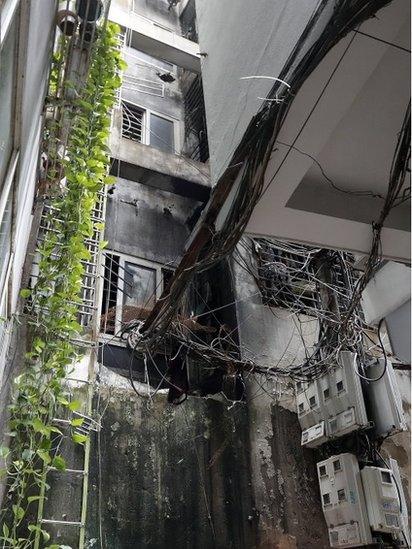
{"x": 53, "y": 302}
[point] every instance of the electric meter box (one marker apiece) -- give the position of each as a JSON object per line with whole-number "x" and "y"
{"x": 383, "y": 501}
{"x": 402, "y": 537}
{"x": 332, "y": 405}
{"x": 384, "y": 400}
{"x": 343, "y": 501}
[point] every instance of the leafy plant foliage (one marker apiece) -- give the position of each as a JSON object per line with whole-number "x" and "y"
{"x": 53, "y": 303}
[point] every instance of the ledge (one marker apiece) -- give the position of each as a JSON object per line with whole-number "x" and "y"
{"x": 144, "y": 156}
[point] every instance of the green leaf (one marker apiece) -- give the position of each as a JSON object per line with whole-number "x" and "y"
{"x": 103, "y": 244}
{"x": 74, "y": 405}
{"x": 44, "y": 455}
{"x": 6, "y": 530}
{"x": 79, "y": 439}
{"x": 4, "y": 451}
{"x": 18, "y": 512}
{"x": 30, "y": 499}
{"x": 59, "y": 463}
{"x": 27, "y": 454}
{"x": 25, "y": 293}
{"x": 77, "y": 422}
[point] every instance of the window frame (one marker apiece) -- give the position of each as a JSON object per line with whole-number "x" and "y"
{"x": 139, "y": 262}
{"x": 7, "y": 13}
{"x": 146, "y": 126}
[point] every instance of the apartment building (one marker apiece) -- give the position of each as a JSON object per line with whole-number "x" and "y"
{"x": 223, "y": 399}
{"x": 27, "y": 32}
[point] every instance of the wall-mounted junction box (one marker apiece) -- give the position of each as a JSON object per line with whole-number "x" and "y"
{"x": 384, "y": 499}
{"x": 384, "y": 399}
{"x": 343, "y": 501}
{"x": 403, "y": 537}
{"x": 332, "y": 405}
{"x": 360, "y": 505}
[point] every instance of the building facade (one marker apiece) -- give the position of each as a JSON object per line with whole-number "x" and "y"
{"x": 226, "y": 431}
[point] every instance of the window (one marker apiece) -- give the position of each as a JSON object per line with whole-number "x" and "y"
{"x": 322, "y": 470}
{"x": 337, "y": 465}
{"x": 299, "y": 387}
{"x": 326, "y": 393}
{"x": 285, "y": 277}
{"x": 133, "y": 122}
{"x": 339, "y": 386}
{"x": 291, "y": 276}
{"x": 326, "y": 499}
{"x": 147, "y": 127}
{"x": 312, "y": 402}
{"x": 161, "y": 133}
{"x": 386, "y": 477}
{"x": 130, "y": 289}
{"x": 301, "y": 408}
{"x": 5, "y": 234}
{"x": 139, "y": 289}
{"x": 341, "y": 495}
{"x": 7, "y": 64}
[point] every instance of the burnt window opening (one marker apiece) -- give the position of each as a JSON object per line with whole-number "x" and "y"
{"x": 167, "y": 275}
{"x": 109, "y": 298}
{"x": 303, "y": 279}
{"x": 195, "y": 137}
{"x": 285, "y": 278}
{"x": 130, "y": 290}
{"x": 188, "y": 22}
{"x": 211, "y": 305}
{"x": 133, "y": 122}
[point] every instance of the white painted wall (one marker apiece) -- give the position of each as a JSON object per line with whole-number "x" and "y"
{"x": 389, "y": 289}
{"x": 242, "y": 38}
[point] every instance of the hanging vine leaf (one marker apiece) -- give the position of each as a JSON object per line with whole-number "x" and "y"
{"x": 53, "y": 322}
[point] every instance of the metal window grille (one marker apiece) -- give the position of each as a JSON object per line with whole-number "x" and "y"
{"x": 285, "y": 278}
{"x": 143, "y": 85}
{"x": 132, "y": 122}
{"x": 188, "y": 22}
{"x": 290, "y": 277}
{"x": 196, "y": 143}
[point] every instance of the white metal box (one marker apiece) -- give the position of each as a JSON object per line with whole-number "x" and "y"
{"x": 343, "y": 501}
{"x": 403, "y": 537}
{"x": 384, "y": 400}
{"x": 332, "y": 405}
{"x": 383, "y": 501}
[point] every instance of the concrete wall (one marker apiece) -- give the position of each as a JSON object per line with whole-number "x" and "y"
{"x": 284, "y": 475}
{"x": 148, "y": 223}
{"x": 169, "y": 476}
{"x": 258, "y": 44}
{"x": 171, "y": 104}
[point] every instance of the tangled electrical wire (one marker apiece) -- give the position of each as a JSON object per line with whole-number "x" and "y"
{"x": 341, "y": 327}
{"x": 249, "y": 162}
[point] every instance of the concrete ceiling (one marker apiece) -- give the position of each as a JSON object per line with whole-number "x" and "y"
{"x": 343, "y": 127}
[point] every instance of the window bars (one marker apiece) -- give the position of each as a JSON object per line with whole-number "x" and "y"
{"x": 132, "y": 122}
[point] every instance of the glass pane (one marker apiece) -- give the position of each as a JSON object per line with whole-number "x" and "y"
{"x": 6, "y": 100}
{"x": 139, "y": 291}
{"x": 161, "y": 133}
{"x": 5, "y": 234}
